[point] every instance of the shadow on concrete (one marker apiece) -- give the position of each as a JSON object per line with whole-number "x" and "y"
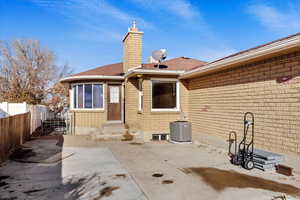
{"x": 35, "y": 172}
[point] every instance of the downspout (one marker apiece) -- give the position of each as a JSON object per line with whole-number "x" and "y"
{"x": 124, "y": 102}
{"x": 73, "y": 129}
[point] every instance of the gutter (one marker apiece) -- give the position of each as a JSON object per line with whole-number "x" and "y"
{"x": 91, "y": 77}
{"x": 149, "y": 71}
{"x": 246, "y": 56}
{"x": 129, "y": 74}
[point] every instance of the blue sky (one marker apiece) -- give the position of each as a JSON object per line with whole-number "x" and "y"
{"x": 88, "y": 33}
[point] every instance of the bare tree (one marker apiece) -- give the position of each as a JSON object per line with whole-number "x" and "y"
{"x": 27, "y": 71}
{"x": 58, "y": 94}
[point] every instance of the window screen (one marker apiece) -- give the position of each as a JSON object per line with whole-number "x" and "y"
{"x": 163, "y": 95}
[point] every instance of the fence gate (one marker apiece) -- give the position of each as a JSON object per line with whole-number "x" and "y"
{"x": 59, "y": 123}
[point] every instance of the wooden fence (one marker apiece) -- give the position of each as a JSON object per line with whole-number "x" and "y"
{"x": 14, "y": 131}
{"x": 38, "y": 112}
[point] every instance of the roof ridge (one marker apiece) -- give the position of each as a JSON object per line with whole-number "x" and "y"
{"x": 180, "y": 57}
{"x": 106, "y": 65}
{"x": 282, "y": 43}
{"x": 184, "y": 57}
{"x": 256, "y": 47}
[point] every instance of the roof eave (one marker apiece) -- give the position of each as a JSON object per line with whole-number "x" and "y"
{"x": 91, "y": 77}
{"x": 244, "y": 57}
{"x": 153, "y": 72}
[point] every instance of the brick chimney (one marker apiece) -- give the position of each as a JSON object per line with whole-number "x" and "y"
{"x": 132, "y": 48}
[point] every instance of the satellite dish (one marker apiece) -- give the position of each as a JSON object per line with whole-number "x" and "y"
{"x": 159, "y": 55}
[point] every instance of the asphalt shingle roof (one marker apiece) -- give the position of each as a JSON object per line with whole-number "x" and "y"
{"x": 116, "y": 69}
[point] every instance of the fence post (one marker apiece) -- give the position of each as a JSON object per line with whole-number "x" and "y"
{"x": 29, "y": 126}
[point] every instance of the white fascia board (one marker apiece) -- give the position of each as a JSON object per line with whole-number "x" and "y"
{"x": 133, "y": 68}
{"x": 255, "y": 53}
{"x": 91, "y": 77}
{"x": 149, "y": 71}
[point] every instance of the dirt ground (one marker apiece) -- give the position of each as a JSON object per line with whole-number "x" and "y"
{"x": 136, "y": 170}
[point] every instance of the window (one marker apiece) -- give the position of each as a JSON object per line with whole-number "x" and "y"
{"x": 165, "y": 95}
{"x": 74, "y": 95}
{"x": 88, "y": 96}
{"x": 98, "y": 92}
{"x": 80, "y": 96}
{"x": 141, "y": 99}
{"x": 88, "y": 93}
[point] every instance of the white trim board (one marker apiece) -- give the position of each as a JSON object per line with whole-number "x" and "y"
{"x": 177, "y": 109}
{"x": 91, "y": 77}
{"x": 87, "y": 109}
{"x": 154, "y": 71}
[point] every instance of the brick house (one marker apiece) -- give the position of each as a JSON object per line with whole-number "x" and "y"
{"x": 214, "y": 96}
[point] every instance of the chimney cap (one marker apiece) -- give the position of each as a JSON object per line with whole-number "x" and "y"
{"x": 133, "y": 27}
{"x": 134, "y": 24}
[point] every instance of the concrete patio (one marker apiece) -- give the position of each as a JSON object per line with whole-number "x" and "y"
{"x": 56, "y": 173}
{"x": 79, "y": 168}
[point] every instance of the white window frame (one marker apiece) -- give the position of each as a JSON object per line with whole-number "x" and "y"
{"x": 140, "y": 95}
{"x": 167, "y": 80}
{"x": 86, "y": 109}
{"x": 140, "y": 100}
